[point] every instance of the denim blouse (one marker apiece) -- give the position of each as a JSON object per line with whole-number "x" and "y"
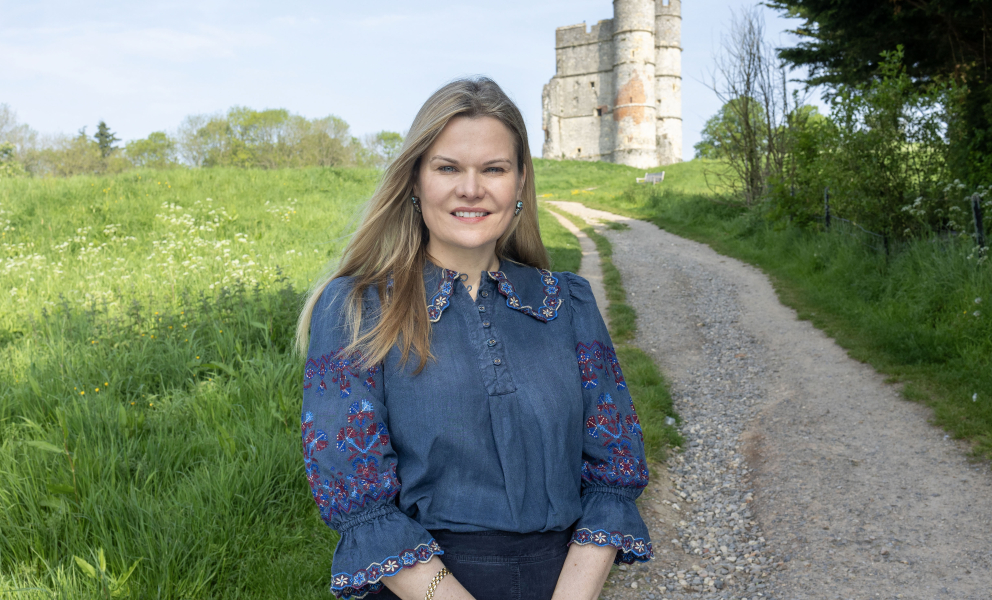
{"x": 522, "y": 423}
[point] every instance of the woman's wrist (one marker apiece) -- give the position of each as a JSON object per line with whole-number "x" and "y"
{"x": 414, "y": 583}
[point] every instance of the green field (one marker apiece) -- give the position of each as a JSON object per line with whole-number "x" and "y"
{"x": 149, "y": 395}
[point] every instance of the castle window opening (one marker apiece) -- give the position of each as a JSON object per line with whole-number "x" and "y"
{"x": 664, "y": 2}
{"x": 592, "y": 84}
{"x": 599, "y": 112}
{"x": 578, "y": 150}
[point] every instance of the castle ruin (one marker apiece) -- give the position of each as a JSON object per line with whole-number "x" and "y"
{"x": 617, "y": 91}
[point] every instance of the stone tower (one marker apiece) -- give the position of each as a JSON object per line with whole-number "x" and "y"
{"x": 617, "y": 92}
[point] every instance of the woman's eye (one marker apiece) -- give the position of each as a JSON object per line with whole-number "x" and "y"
{"x": 446, "y": 169}
{"x": 496, "y": 169}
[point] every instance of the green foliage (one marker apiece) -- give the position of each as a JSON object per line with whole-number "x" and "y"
{"x": 722, "y": 128}
{"x": 105, "y": 139}
{"x": 268, "y": 139}
{"x": 77, "y": 155}
{"x": 383, "y": 147}
{"x": 945, "y": 40}
{"x": 9, "y": 167}
{"x": 882, "y": 146}
{"x": 157, "y": 151}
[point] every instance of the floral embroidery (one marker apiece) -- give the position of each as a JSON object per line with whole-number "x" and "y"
{"x": 629, "y": 548}
{"x": 441, "y": 299}
{"x": 591, "y": 356}
{"x": 367, "y": 581}
{"x": 622, "y": 466}
{"x": 552, "y": 295}
{"x": 363, "y": 438}
{"x": 340, "y": 367}
{"x": 633, "y": 423}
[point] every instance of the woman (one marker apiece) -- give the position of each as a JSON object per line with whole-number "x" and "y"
{"x": 466, "y": 425}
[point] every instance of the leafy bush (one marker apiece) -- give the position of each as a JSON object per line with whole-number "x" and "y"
{"x": 883, "y": 145}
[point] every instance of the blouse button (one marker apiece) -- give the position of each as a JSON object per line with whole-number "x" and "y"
{"x": 485, "y": 294}
{"x": 482, "y": 309}
{"x": 491, "y": 342}
{"x": 485, "y": 323}
{"x": 497, "y": 362}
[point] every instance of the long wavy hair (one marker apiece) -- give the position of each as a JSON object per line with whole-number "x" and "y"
{"x": 391, "y": 240}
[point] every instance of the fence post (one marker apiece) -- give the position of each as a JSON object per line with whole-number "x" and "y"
{"x": 976, "y": 210}
{"x": 885, "y": 242}
{"x": 826, "y": 206}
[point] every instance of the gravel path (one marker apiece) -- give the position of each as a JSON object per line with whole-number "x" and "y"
{"x": 805, "y": 475}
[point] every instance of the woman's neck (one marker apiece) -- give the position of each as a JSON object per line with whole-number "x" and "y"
{"x": 470, "y": 266}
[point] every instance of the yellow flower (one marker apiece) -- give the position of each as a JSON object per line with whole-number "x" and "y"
{"x": 132, "y": 404}
{"x": 105, "y": 384}
{"x": 96, "y": 389}
{"x": 197, "y": 358}
{"x": 93, "y": 342}
{"x": 82, "y": 393}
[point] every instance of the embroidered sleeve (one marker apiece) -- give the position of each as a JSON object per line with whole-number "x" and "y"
{"x": 614, "y": 469}
{"x": 349, "y": 461}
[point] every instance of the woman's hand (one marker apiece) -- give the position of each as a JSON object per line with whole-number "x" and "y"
{"x": 411, "y": 584}
{"x": 585, "y": 572}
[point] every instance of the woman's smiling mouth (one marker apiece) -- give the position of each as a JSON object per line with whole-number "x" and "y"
{"x": 465, "y": 214}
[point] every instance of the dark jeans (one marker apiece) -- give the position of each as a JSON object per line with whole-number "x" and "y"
{"x": 497, "y": 565}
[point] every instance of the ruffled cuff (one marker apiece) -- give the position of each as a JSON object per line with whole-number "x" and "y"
{"x": 378, "y": 544}
{"x": 610, "y": 518}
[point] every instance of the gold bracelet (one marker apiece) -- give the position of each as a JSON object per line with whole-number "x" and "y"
{"x": 436, "y": 580}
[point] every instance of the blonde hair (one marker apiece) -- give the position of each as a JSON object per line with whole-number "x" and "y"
{"x": 391, "y": 241}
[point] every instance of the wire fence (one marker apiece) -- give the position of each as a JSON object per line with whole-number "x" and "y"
{"x": 882, "y": 242}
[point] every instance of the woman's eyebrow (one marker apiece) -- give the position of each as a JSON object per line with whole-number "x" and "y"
{"x": 455, "y": 162}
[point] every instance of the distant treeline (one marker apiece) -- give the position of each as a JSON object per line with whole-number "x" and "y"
{"x": 241, "y": 137}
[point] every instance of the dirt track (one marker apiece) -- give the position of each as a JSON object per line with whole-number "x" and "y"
{"x": 855, "y": 494}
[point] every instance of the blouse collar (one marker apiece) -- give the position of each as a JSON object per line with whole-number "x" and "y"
{"x": 523, "y": 287}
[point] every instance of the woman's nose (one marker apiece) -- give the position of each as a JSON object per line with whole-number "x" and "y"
{"x": 470, "y": 185}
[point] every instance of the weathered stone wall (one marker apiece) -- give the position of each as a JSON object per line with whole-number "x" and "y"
{"x": 608, "y": 100}
{"x": 668, "y": 80}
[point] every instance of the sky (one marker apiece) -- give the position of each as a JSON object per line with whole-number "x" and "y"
{"x": 145, "y": 66}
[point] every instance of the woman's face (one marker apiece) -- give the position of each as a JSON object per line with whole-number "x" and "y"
{"x": 468, "y": 186}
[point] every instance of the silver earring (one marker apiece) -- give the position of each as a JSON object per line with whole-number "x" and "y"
{"x": 520, "y": 206}
{"x": 416, "y": 203}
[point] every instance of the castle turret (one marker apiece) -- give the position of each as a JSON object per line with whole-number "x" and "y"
{"x": 617, "y": 90}
{"x": 668, "y": 80}
{"x": 634, "y": 86}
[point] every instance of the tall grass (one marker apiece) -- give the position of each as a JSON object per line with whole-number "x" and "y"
{"x": 149, "y": 395}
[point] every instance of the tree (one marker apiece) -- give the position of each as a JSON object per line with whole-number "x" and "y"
{"x": 383, "y": 147}
{"x": 267, "y": 139}
{"x": 105, "y": 139}
{"x": 752, "y": 87}
{"x": 9, "y": 167}
{"x": 942, "y": 40}
{"x": 724, "y": 126}
{"x": 157, "y": 151}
